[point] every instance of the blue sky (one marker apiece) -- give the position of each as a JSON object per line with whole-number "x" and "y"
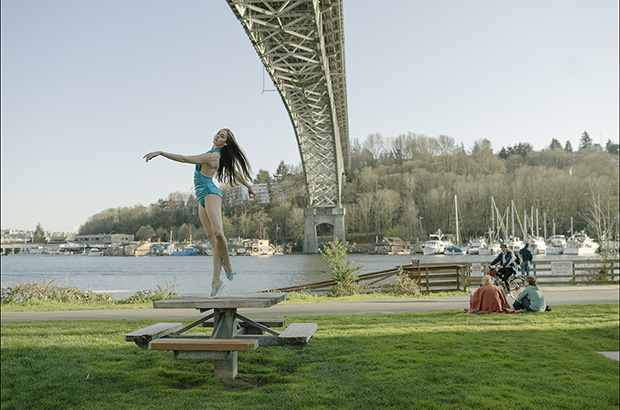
{"x": 89, "y": 87}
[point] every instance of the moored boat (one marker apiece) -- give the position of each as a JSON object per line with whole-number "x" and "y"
{"x": 476, "y": 245}
{"x": 538, "y": 245}
{"x": 94, "y": 252}
{"x": 491, "y": 249}
{"x": 580, "y": 244}
{"x": 454, "y": 250}
{"x": 435, "y": 244}
{"x": 187, "y": 251}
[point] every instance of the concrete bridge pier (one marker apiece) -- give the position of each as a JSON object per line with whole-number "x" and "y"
{"x": 332, "y": 215}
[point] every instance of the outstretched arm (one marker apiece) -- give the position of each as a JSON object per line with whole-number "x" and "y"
{"x": 186, "y": 159}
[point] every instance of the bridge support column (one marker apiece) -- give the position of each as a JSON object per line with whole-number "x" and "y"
{"x": 333, "y": 216}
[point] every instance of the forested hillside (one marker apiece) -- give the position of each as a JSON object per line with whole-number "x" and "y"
{"x": 405, "y": 186}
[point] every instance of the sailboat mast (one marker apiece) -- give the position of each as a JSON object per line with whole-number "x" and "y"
{"x": 456, "y": 212}
{"x": 512, "y": 213}
{"x": 491, "y": 239}
{"x": 524, "y": 225}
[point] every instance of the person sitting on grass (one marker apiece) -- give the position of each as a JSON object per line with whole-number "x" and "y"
{"x": 489, "y": 298}
{"x": 531, "y": 298}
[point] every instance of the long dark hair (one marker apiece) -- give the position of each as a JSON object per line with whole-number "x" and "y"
{"x": 233, "y": 162}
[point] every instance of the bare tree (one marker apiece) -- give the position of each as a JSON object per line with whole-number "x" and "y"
{"x": 603, "y": 219}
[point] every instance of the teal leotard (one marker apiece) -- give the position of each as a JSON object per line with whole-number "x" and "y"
{"x": 203, "y": 185}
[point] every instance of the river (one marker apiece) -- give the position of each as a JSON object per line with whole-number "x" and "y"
{"x": 123, "y": 275}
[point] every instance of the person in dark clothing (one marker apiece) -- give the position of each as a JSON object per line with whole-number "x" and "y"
{"x": 526, "y": 255}
{"x": 507, "y": 262}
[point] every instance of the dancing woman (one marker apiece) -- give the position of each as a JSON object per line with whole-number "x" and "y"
{"x": 228, "y": 163}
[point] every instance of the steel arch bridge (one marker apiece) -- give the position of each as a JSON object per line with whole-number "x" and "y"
{"x": 301, "y": 45}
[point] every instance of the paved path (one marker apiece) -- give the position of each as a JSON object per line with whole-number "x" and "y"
{"x": 558, "y": 295}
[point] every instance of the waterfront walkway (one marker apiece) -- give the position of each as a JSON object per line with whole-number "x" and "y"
{"x": 555, "y": 295}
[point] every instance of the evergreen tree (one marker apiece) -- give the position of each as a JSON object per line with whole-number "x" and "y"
{"x": 282, "y": 170}
{"x": 262, "y": 177}
{"x": 39, "y": 235}
{"x": 585, "y": 142}
{"x": 568, "y": 147}
{"x": 555, "y": 144}
{"x": 612, "y": 148}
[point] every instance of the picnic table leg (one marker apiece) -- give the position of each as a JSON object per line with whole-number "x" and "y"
{"x": 225, "y": 369}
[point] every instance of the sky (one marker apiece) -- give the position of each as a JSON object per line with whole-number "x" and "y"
{"x": 89, "y": 87}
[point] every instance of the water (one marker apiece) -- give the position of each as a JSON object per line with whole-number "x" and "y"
{"x": 126, "y": 275}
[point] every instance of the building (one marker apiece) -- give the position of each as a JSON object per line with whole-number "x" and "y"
{"x": 103, "y": 239}
{"x": 392, "y": 246}
{"x": 235, "y": 195}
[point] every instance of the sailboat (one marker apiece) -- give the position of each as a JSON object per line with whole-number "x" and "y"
{"x": 492, "y": 247}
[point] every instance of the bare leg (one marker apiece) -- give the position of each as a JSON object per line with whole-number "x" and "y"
{"x": 214, "y": 213}
{"x": 217, "y": 259}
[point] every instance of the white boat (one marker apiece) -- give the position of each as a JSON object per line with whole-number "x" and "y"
{"x": 94, "y": 252}
{"x": 490, "y": 249}
{"x": 262, "y": 247}
{"x": 538, "y": 246}
{"x": 557, "y": 241}
{"x": 556, "y": 244}
{"x": 418, "y": 247}
{"x": 435, "y": 244}
{"x": 580, "y": 244}
{"x": 476, "y": 245}
{"x": 515, "y": 244}
{"x": 555, "y": 250}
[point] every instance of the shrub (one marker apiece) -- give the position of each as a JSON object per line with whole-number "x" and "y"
{"x": 157, "y": 293}
{"x": 341, "y": 269}
{"x": 44, "y": 290}
{"x": 402, "y": 285}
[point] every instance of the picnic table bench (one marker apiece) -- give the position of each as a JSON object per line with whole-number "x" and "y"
{"x": 231, "y": 333}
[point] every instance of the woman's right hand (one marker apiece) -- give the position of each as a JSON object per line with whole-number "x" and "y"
{"x": 151, "y": 155}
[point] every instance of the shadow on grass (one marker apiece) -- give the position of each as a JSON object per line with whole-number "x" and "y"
{"x": 411, "y": 360}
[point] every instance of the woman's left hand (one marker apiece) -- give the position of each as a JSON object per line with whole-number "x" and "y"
{"x": 151, "y": 155}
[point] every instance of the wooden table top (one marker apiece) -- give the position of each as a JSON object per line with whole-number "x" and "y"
{"x": 226, "y": 301}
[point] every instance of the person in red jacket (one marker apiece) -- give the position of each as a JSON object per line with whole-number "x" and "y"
{"x": 489, "y": 298}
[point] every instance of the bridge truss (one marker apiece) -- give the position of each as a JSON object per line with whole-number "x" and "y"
{"x": 301, "y": 44}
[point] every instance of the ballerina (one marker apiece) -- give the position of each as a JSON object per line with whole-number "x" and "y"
{"x": 228, "y": 163}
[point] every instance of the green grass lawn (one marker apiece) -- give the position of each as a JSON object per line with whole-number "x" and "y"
{"x": 292, "y": 299}
{"x": 426, "y": 360}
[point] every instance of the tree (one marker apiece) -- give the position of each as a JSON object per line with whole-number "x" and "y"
{"x": 282, "y": 170}
{"x": 555, "y": 144}
{"x": 568, "y": 147}
{"x": 145, "y": 233}
{"x": 375, "y": 144}
{"x": 523, "y": 148}
{"x": 184, "y": 232}
{"x": 39, "y": 235}
{"x": 612, "y": 148}
{"x": 262, "y": 177}
{"x": 341, "y": 269}
{"x": 585, "y": 142}
{"x": 503, "y": 153}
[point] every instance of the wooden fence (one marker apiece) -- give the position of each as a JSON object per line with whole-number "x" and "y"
{"x": 442, "y": 277}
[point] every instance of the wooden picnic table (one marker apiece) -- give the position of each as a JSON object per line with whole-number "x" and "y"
{"x": 232, "y": 332}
